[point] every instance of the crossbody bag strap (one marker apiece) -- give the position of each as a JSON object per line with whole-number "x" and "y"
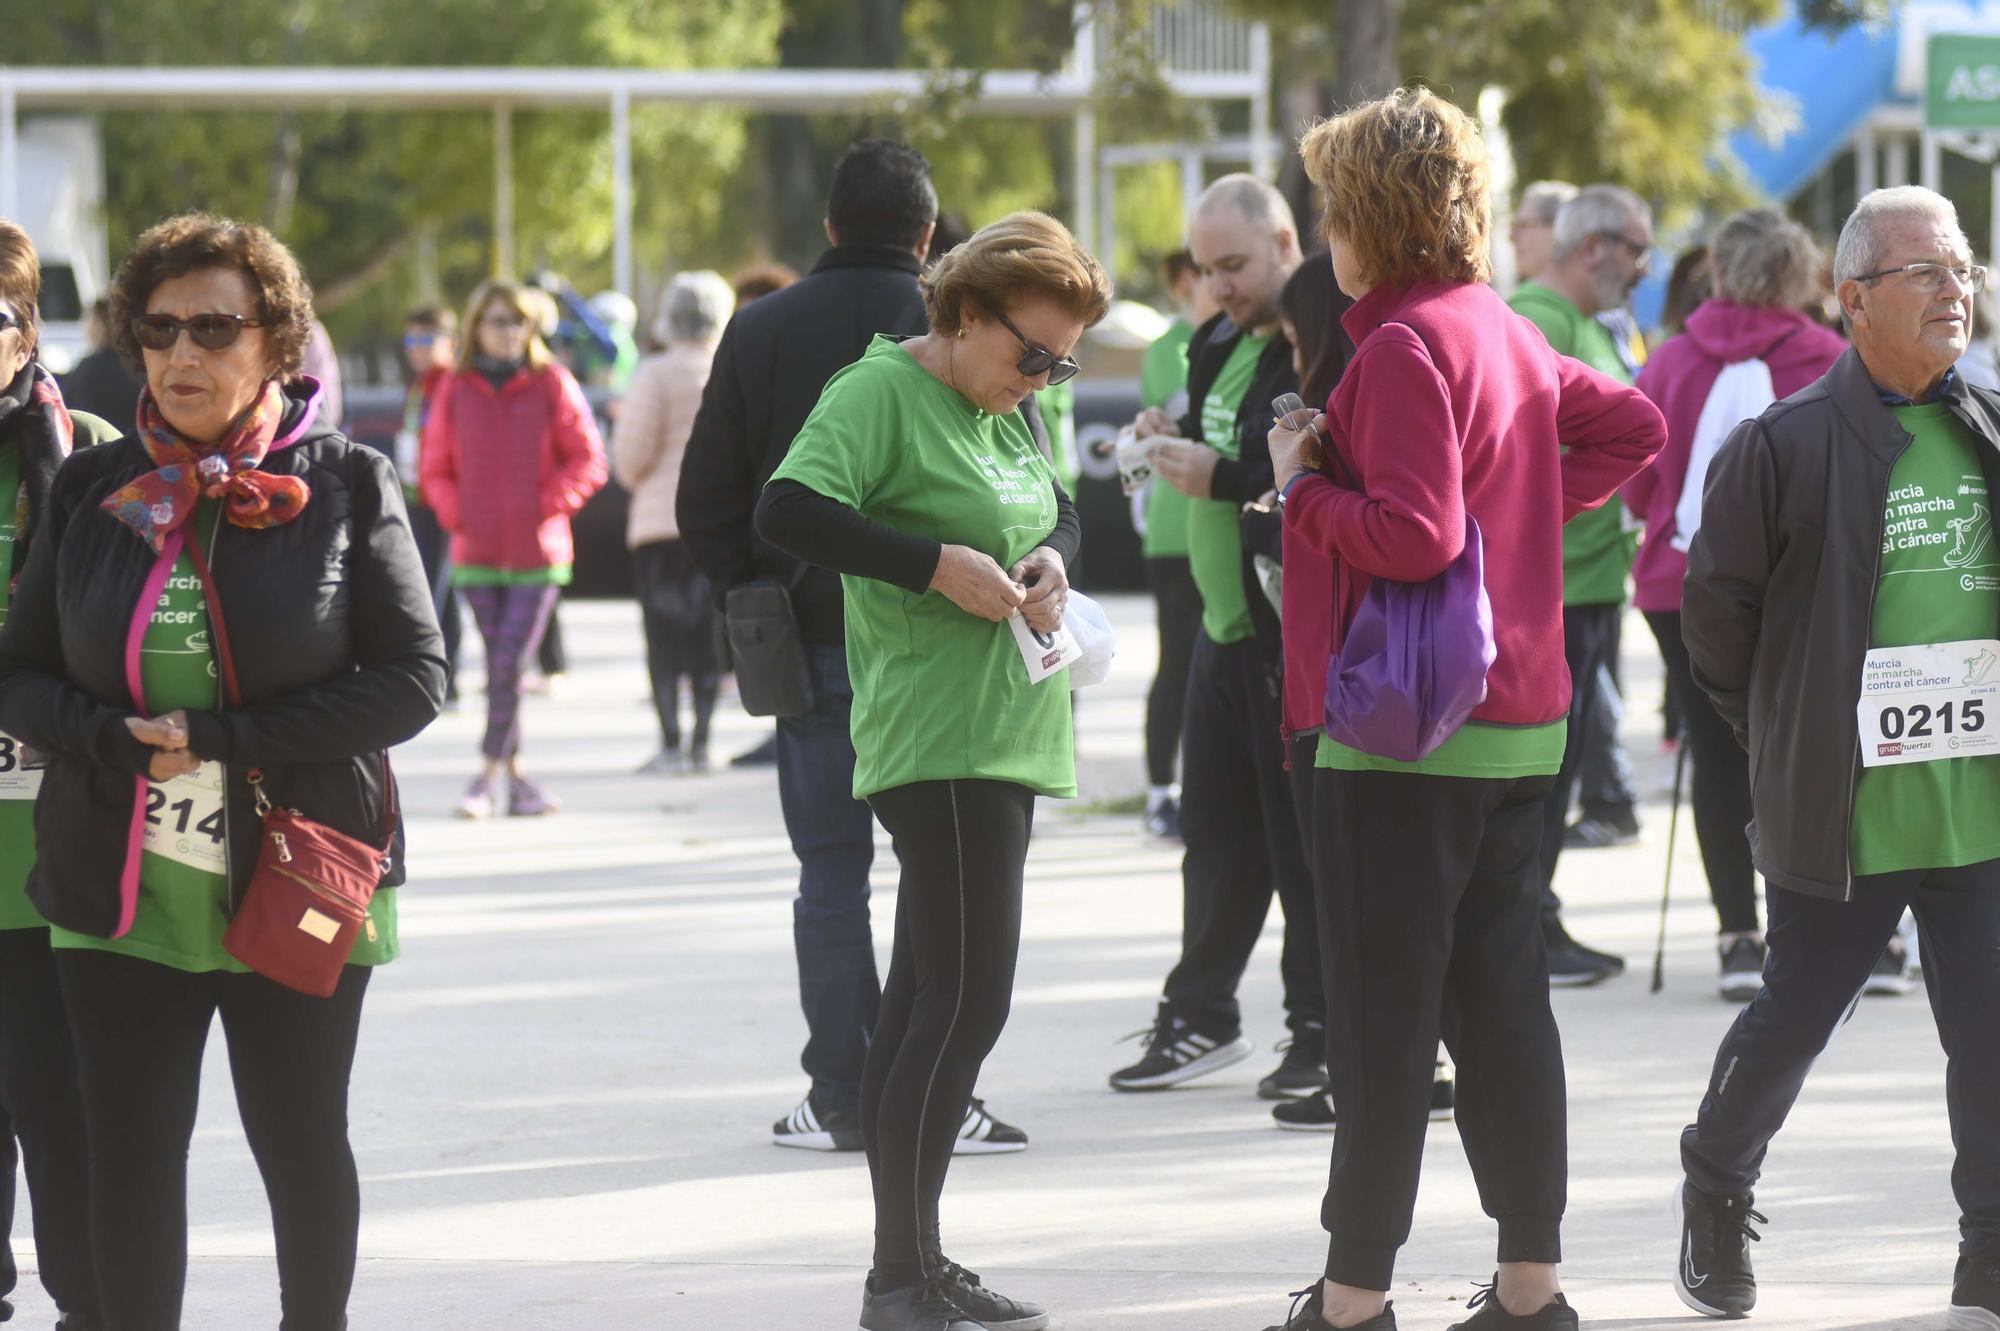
{"x": 219, "y": 635}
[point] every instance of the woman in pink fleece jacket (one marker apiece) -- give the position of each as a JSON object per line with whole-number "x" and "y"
{"x": 1766, "y": 269}
{"x": 510, "y": 451}
{"x": 1427, "y": 872}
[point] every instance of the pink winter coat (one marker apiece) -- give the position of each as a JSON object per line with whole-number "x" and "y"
{"x": 504, "y": 468}
{"x": 1678, "y": 378}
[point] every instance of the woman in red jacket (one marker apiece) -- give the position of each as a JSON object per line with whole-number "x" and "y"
{"x": 510, "y": 451}
{"x": 1766, "y": 270}
{"x": 1453, "y": 411}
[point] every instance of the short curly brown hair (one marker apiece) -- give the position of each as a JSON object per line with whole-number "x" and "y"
{"x": 1023, "y": 254}
{"x": 21, "y": 281}
{"x": 1403, "y": 183}
{"x": 194, "y": 241}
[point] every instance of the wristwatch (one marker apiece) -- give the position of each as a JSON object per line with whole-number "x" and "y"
{"x": 1297, "y": 476}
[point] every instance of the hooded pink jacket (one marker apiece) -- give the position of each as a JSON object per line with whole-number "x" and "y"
{"x": 1678, "y": 378}
{"x": 504, "y": 468}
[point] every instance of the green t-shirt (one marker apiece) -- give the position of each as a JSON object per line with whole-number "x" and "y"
{"x": 1215, "y": 540}
{"x": 17, "y": 783}
{"x": 481, "y": 575}
{"x": 1162, "y": 377}
{"x": 183, "y": 885}
{"x": 1477, "y": 750}
{"x": 1597, "y": 547}
{"x": 938, "y": 694}
{"x": 1940, "y": 582}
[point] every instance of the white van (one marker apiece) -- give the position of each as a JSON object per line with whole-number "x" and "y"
{"x": 61, "y": 206}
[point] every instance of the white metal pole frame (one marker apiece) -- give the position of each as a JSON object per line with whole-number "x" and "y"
{"x": 503, "y": 192}
{"x": 1930, "y": 165}
{"x": 1263, "y": 139}
{"x": 1083, "y": 186}
{"x": 1865, "y": 177}
{"x": 621, "y": 191}
{"x": 10, "y": 151}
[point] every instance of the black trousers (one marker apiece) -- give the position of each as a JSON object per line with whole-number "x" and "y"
{"x": 1590, "y": 633}
{"x": 434, "y": 548}
{"x": 551, "y": 657}
{"x": 1242, "y": 838}
{"x": 38, "y": 1086}
{"x": 140, "y": 1029}
{"x": 1821, "y": 953}
{"x": 1177, "y": 615}
{"x": 1428, "y": 914}
{"x": 676, "y": 608}
{"x": 964, "y": 849}
{"x": 1720, "y": 785}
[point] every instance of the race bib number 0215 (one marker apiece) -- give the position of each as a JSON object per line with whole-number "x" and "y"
{"x": 184, "y": 819}
{"x": 1921, "y": 704}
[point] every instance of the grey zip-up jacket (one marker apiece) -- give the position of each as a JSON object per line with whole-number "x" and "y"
{"x": 1780, "y": 601}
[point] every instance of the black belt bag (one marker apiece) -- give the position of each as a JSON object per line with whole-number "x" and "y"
{"x": 773, "y": 672}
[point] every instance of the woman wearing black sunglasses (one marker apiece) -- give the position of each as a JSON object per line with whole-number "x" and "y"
{"x": 148, "y": 829}
{"x": 917, "y": 482}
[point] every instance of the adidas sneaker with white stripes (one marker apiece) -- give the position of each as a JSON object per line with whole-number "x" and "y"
{"x": 1177, "y": 1053}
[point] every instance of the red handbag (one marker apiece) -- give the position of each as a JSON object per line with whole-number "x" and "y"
{"x": 307, "y": 902}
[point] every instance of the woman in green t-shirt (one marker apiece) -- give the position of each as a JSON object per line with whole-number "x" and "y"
{"x": 917, "y": 482}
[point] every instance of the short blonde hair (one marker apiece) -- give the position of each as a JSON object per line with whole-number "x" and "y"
{"x": 524, "y": 302}
{"x": 1025, "y": 254}
{"x": 1403, "y": 182}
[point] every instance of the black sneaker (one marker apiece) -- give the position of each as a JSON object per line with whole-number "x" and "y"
{"x": 1713, "y": 1276}
{"x": 1302, "y": 1072}
{"x": 1572, "y": 965}
{"x": 1312, "y": 1114}
{"x": 1598, "y": 834}
{"x": 995, "y": 1312}
{"x": 1489, "y": 1315}
{"x": 983, "y": 1134}
{"x": 764, "y": 755}
{"x": 1891, "y": 976}
{"x": 1742, "y": 970}
{"x": 1306, "y": 1316}
{"x": 1164, "y": 820}
{"x": 811, "y": 1128}
{"x": 1176, "y": 1052}
{"x": 925, "y": 1306}
{"x": 1975, "y": 1295}
{"x": 1444, "y": 1094}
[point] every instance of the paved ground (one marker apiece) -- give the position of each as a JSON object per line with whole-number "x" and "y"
{"x": 562, "y": 1103}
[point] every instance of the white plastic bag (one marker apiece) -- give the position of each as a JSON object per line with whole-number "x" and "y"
{"x": 1087, "y": 623}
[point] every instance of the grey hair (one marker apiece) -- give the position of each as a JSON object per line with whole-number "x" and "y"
{"x": 1597, "y": 209}
{"x": 1256, "y": 201}
{"x": 1544, "y": 199}
{"x": 695, "y": 308}
{"x": 1860, "y": 247}
{"x": 1763, "y": 258}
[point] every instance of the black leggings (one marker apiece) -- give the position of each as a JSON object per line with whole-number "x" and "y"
{"x": 1429, "y": 894}
{"x": 1720, "y": 785}
{"x": 1177, "y": 615}
{"x": 963, "y": 845}
{"x": 675, "y": 606}
{"x": 39, "y": 1091}
{"x": 140, "y": 1028}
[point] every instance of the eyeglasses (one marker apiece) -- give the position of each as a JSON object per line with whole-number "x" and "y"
{"x": 1930, "y": 276}
{"x": 418, "y": 341}
{"x": 506, "y": 321}
{"x": 211, "y": 332}
{"x": 1037, "y": 359}
{"x": 1642, "y": 255}
{"x": 9, "y": 319}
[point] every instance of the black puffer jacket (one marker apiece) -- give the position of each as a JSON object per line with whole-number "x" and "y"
{"x": 335, "y": 644}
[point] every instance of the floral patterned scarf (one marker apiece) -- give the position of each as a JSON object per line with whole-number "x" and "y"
{"x": 156, "y": 504}
{"x": 38, "y": 407}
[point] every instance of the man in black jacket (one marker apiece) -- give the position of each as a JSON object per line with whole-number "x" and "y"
{"x": 773, "y": 362}
{"x": 1842, "y": 609}
{"x": 1236, "y": 806}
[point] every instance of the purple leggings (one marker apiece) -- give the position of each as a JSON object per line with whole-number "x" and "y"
{"x": 511, "y": 620}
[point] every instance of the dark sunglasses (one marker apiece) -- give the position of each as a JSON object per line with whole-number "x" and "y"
{"x": 9, "y": 319}
{"x": 211, "y": 332}
{"x": 414, "y": 340}
{"x": 1036, "y": 359}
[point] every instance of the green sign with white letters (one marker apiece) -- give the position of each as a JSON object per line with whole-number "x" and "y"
{"x": 1963, "y": 88}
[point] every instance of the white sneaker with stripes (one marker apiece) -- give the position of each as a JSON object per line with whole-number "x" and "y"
{"x": 1177, "y": 1053}
{"x": 983, "y": 1134}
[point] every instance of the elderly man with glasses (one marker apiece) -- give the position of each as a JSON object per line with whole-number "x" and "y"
{"x": 1842, "y": 609}
{"x": 1603, "y": 243}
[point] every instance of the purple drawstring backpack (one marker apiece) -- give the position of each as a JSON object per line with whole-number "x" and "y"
{"x": 1413, "y": 664}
